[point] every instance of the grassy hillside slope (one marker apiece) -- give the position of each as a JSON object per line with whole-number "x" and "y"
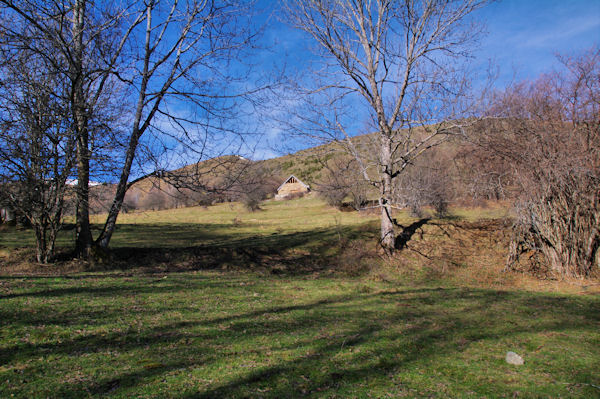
{"x": 292, "y": 301}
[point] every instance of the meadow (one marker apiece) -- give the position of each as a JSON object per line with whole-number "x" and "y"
{"x": 292, "y": 301}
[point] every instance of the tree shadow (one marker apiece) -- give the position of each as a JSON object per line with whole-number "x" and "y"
{"x": 338, "y": 341}
{"x": 404, "y": 237}
{"x": 293, "y": 253}
{"x": 177, "y": 247}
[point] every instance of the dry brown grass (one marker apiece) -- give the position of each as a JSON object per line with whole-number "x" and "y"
{"x": 304, "y": 236}
{"x": 473, "y": 253}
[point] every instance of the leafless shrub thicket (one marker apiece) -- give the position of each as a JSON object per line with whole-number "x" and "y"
{"x": 341, "y": 178}
{"x": 292, "y": 196}
{"x": 332, "y": 194}
{"x": 428, "y": 183}
{"x": 549, "y": 132}
{"x": 252, "y": 186}
{"x": 335, "y": 182}
{"x": 482, "y": 175}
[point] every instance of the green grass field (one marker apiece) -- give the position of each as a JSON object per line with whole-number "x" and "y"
{"x": 288, "y": 318}
{"x": 223, "y": 223}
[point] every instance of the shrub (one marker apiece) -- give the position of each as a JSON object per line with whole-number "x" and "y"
{"x": 548, "y": 132}
{"x": 439, "y": 200}
{"x": 333, "y": 196}
{"x": 294, "y": 195}
{"x": 358, "y": 192}
{"x": 252, "y": 201}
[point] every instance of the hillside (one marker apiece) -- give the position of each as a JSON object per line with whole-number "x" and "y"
{"x": 459, "y": 170}
{"x": 219, "y": 179}
{"x": 306, "y": 164}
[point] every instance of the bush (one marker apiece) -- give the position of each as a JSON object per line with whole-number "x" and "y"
{"x": 440, "y": 204}
{"x": 294, "y": 195}
{"x": 130, "y": 203}
{"x": 415, "y": 208}
{"x": 333, "y": 196}
{"x": 252, "y": 201}
{"x": 359, "y": 196}
{"x": 549, "y": 134}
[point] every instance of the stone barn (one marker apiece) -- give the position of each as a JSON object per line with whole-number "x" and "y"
{"x": 290, "y": 187}
{"x": 7, "y": 215}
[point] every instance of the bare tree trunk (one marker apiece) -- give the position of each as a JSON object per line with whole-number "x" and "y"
{"x": 115, "y": 209}
{"x": 388, "y": 235}
{"x": 83, "y": 242}
{"x": 41, "y": 244}
{"x": 84, "y": 235}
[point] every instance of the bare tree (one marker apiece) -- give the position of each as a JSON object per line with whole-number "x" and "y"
{"x": 37, "y": 146}
{"x": 185, "y": 58}
{"x": 341, "y": 178}
{"x": 548, "y": 131}
{"x": 332, "y": 192}
{"x": 483, "y": 173}
{"x": 335, "y": 182}
{"x": 397, "y": 65}
{"x": 427, "y": 182}
{"x": 173, "y": 67}
{"x": 250, "y": 185}
{"x": 82, "y": 42}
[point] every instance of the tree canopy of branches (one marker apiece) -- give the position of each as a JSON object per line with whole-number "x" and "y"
{"x": 36, "y": 144}
{"x": 142, "y": 80}
{"x": 253, "y": 184}
{"x": 427, "y": 182}
{"x": 81, "y": 43}
{"x": 398, "y": 65}
{"x": 341, "y": 178}
{"x": 187, "y": 55}
{"x": 548, "y": 130}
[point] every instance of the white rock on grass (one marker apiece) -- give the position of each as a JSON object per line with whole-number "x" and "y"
{"x": 513, "y": 358}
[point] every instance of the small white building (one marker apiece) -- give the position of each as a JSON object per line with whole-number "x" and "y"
{"x": 7, "y": 215}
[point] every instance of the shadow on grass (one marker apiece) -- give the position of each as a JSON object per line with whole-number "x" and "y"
{"x": 316, "y": 348}
{"x": 288, "y": 253}
{"x": 158, "y": 248}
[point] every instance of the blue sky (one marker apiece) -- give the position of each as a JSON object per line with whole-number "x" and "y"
{"x": 522, "y": 40}
{"x": 525, "y": 35}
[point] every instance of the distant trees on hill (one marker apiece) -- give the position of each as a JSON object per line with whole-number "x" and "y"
{"x": 225, "y": 181}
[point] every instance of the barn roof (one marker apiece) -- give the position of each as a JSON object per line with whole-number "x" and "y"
{"x": 288, "y": 179}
